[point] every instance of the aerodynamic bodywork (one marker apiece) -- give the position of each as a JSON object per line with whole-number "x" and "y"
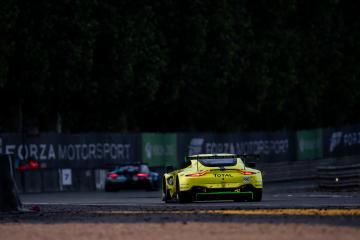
{"x": 213, "y": 177}
{"x": 133, "y": 175}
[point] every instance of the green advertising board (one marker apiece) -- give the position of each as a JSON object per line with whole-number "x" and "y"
{"x": 159, "y": 150}
{"x": 309, "y": 144}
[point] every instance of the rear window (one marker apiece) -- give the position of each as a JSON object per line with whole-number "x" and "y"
{"x": 128, "y": 169}
{"x": 221, "y": 162}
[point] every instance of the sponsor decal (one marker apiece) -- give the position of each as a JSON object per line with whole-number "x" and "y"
{"x": 341, "y": 139}
{"x": 158, "y": 150}
{"x": 308, "y": 145}
{"x": 246, "y": 179}
{"x": 265, "y": 147}
{"x": 351, "y": 139}
{"x": 148, "y": 150}
{"x": 222, "y": 175}
{"x": 196, "y": 146}
{"x": 335, "y": 140}
{"x": 45, "y": 152}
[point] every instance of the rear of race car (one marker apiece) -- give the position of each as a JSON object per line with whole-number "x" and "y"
{"x": 218, "y": 178}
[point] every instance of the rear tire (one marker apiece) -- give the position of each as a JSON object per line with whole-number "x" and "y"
{"x": 166, "y": 193}
{"x": 182, "y": 196}
{"x": 257, "y": 195}
{"x": 109, "y": 188}
{"x": 167, "y": 197}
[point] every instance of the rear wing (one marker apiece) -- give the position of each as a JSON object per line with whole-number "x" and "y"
{"x": 244, "y": 157}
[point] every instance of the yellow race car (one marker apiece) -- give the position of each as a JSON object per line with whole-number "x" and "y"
{"x": 213, "y": 177}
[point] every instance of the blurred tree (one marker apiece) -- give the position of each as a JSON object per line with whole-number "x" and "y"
{"x": 8, "y": 17}
{"x": 168, "y": 65}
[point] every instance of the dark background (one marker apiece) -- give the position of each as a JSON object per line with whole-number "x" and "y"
{"x": 165, "y": 65}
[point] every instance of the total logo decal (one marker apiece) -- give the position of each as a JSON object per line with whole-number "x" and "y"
{"x": 347, "y": 139}
{"x": 198, "y": 145}
{"x": 222, "y": 175}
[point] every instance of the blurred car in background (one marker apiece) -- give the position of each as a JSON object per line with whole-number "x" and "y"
{"x": 129, "y": 176}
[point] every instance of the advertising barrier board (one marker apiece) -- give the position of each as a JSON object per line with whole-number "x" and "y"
{"x": 272, "y": 146}
{"x": 342, "y": 141}
{"x": 159, "y": 149}
{"x": 309, "y": 144}
{"x": 74, "y": 149}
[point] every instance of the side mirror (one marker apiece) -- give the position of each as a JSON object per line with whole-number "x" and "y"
{"x": 169, "y": 169}
{"x": 251, "y": 164}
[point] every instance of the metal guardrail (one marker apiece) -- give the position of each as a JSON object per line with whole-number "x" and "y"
{"x": 301, "y": 169}
{"x": 339, "y": 177}
{"x": 287, "y": 171}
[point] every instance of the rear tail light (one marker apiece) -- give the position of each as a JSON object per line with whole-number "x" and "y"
{"x": 143, "y": 175}
{"x": 112, "y": 175}
{"x": 33, "y": 164}
{"x": 246, "y": 172}
{"x": 22, "y": 167}
{"x": 198, "y": 174}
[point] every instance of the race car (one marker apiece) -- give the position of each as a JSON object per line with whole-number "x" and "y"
{"x": 134, "y": 175}
{"x": 213, "y": 177}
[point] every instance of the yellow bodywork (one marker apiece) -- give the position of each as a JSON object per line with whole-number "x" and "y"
{"x": 212, "y": 178}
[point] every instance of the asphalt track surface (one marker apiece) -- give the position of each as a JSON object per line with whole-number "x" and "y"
{"x": 298, "y": 202}
{"x": 296, "y": 195}
{"x": 296, "y": 210}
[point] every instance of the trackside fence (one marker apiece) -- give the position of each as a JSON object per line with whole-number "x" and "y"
{"x": 62, "y": 179}
{"x": 78, "y": 162}
{"x": 298, "y": 170}
{"x": 339, "y": 177}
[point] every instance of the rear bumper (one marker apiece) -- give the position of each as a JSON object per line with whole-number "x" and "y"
{"x": 188, "y": 183}
{"x": 225, "y": 186}
{"x": 244, "y": 192}
{"x": 224, "y": 196}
